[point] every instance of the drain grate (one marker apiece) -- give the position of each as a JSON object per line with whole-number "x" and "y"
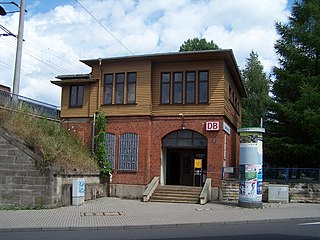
{"x": 204, "y": 209}
{"x": 93, "y": 214}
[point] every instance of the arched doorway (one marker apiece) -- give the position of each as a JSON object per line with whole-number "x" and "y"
{"x": 180, "y": 151}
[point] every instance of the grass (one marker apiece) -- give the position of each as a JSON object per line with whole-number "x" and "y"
{"x": 56, "y": 147}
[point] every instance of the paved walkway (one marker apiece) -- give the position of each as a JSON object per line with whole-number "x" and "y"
{"x": 115, "y": 213}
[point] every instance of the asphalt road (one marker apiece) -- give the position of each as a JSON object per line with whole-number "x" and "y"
{"x": 291, "y": 230}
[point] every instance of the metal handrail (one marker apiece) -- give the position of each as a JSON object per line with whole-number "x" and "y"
{"x": 14, "y": 101}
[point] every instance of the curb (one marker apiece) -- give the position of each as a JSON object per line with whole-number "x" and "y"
{"x": 156, "y": 226}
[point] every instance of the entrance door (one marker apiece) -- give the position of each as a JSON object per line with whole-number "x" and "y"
{"x": 186, "y": 170}
{"x": 180, "y": 166}
{"x": 182, "y": 148}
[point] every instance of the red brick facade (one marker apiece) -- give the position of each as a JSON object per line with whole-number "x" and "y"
{"x": 151, "y": 131}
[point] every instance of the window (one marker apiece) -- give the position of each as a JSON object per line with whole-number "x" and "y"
{"x": 108, "y": 84}
{"x": 177, "y": 87}
{"x": 110, "y": 148}
{"x": 76, "y": 96}
{"x": 203, "y": 87}
{"x": 119, "y": 88}
{"x": 131, "y": 87}
{"x": 165, "y": 88}
{"x": 184, "y": 138}
{"x": 190, "y": 87}
{"x": 128, "y": 151}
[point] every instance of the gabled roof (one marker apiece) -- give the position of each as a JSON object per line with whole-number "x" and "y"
{"x": 226, "y": 54}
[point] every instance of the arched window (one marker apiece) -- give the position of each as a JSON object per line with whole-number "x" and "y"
{"x": 184, "y": 138}
{"x": 128, "y": 151}
{"x": 110, "y": 147}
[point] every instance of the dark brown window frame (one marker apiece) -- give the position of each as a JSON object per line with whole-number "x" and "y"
{"x": 194, "y": 86}
{"x": 117, "y": 87}
{"x": 161, "y": 88}
{"x": 174, "y": 82}
{"x": 129, "y": 82}
{"x": 199, "y": 86}
{"x": 77, "y": 103}
{"x": 104, "y": 88}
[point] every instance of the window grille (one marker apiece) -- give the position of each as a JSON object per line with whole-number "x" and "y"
{"x": 110, "y": 148}
{"x": 128, "y": 151}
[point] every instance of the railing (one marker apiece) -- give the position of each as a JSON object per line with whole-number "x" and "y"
{"x": 292, "y": 174}
{"x": 279, "y": 174}
{"x": 13, "y": 101}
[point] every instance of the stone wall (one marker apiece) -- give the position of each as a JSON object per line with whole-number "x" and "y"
{"x": 23, "y": 185}
{"x": 230, "y": 190}
{"x": 298, "y": 192}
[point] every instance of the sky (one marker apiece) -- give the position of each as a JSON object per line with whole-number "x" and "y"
{"x": 59, "y": 33}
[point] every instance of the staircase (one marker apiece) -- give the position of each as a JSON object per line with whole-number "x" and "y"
{"x": 176, "y": 194}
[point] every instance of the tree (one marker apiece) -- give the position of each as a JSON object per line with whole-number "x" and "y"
{"x": 294, "y": 120}
{"x": 197, "y": 44}
{"x": 256, "y": 84}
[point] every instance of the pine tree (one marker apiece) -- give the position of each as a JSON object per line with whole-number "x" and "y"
{"x": 256, "y": 84}
{"x": 295, "y": 117}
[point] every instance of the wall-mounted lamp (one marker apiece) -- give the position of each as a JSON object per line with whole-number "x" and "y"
{"x": 183, "y": 124}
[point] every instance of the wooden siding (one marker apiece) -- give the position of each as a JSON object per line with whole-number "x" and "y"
{"x": 216, "y": 88}
{"x": 143, "y": 89}
{"x": 148, "y": 89}
{"x": 67, "y": 111}
{"x": 229, "y": 110}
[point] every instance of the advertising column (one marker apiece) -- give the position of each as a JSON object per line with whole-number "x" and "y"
{"x": 250, "y": 172}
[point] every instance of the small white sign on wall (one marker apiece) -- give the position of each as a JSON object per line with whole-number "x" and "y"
{"x": 212, "y": 126}
{"x": 226, "y": 128}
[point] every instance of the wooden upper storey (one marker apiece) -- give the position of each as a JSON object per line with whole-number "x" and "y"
{"x": 192, "y": 83}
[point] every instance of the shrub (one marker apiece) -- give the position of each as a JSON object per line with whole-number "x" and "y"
{"x": 100, "y": 148}
{"x": 56, "y": 147}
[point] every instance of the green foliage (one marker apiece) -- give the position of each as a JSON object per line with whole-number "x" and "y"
{"x": 56, "y": 147}
{"x": 100, "y": 148}
{"x": 256, "y": 84}
{"x": 294, "y": 135}
{"x": 197, "y": 44}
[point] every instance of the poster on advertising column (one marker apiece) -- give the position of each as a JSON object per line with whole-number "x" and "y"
{"x": 250, "y": 184}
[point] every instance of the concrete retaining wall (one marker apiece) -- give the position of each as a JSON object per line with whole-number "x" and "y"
{"x": 23, "y": 185}
{"x": 127, "y": 191}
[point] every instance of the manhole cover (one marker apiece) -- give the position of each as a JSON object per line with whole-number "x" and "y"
{"x": 91, "y": 214}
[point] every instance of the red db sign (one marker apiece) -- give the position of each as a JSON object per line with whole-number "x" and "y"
{"x": 212, "y": 126}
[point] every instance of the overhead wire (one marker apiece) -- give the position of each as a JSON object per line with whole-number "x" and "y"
{"x": 35, "y": 46}
{"x": 105, "y": 28}
{"x": 48, "y": 62}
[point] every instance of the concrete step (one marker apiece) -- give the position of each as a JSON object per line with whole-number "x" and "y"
{"x": 175, "y": 201}
{"x": 176, "y": 194}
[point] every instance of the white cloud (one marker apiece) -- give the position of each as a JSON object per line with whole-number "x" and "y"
{"x": 56, "y": 40}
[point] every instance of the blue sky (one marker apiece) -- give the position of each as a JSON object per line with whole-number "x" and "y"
{"x": 58, "y": 33}
{"x": 42, "y": 6}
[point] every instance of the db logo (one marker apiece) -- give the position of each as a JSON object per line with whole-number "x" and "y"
{"x": 212, "y": 126}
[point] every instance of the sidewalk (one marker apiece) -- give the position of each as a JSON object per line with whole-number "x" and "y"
{"x": 115, "y": 213}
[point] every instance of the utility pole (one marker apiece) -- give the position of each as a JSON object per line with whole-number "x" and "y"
{"x": 17, "y": 69}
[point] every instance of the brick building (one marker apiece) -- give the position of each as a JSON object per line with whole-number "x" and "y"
{"x": 168, "y": 115}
